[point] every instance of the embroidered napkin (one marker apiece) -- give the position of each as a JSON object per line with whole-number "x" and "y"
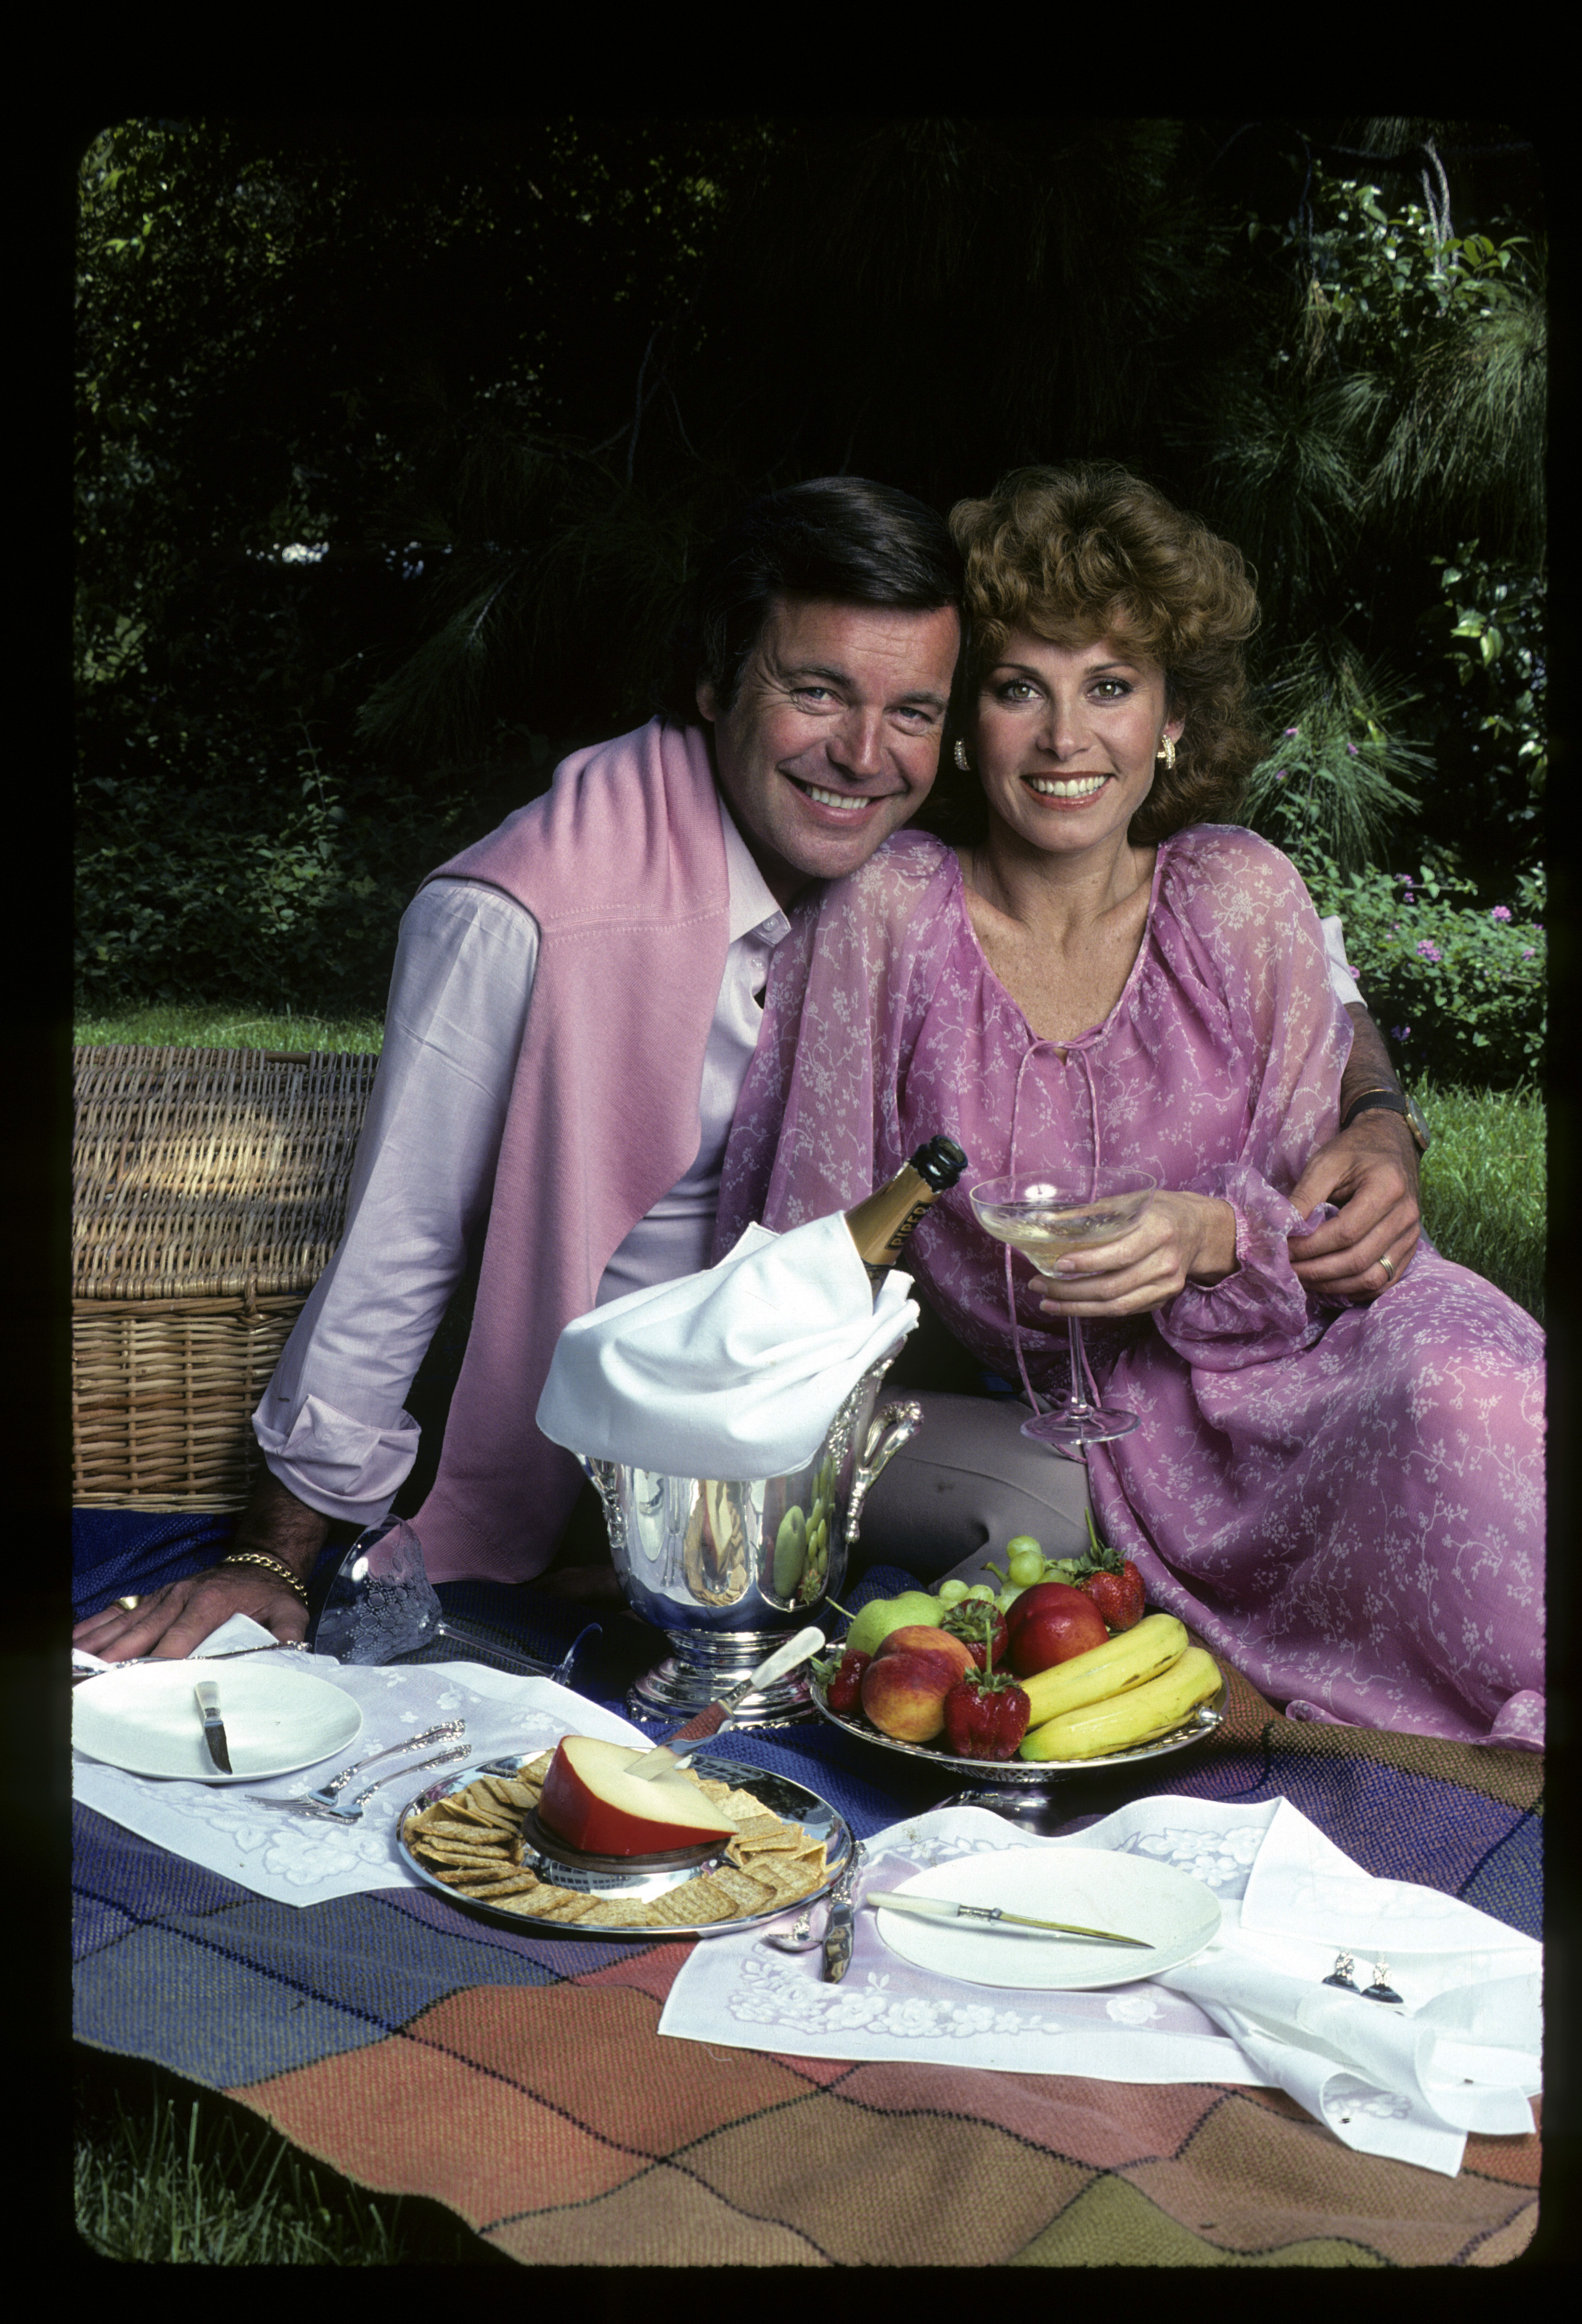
{"x": 1409, "y": 2082}
{"x": 302, "y": 1860}
{"x": 735, "y": 1372}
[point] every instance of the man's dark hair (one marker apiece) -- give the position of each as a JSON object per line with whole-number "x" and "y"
{"x": 837, "y": 537}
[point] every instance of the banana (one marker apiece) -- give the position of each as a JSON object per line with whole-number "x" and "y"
{"x": 1137, "y": 1716}
{"x": 1127, "y": 1660}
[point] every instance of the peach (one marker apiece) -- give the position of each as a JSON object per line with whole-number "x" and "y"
{"x": 918, "y": 1639}
{"x": 905, "y": 1694}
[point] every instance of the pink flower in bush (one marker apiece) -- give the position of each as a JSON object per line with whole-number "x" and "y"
{"x": 1499, "y": 913}
{"x": 1429, "y": 951}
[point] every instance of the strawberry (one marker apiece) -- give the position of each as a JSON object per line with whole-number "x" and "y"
{"x": 986, "y": 1713}
{"x": 1112, "y": 1581}
{"x": 1117, "y": 1593}
{"x": 978, "y": 1622}
{"x": 843, "y": 1680}
{"x": 986, "y": 1717}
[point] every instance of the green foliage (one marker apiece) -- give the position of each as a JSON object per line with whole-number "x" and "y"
{"x": 235, "y": 894}
{"x": 1342, "y": 755}
{"x": 404, "y": 437}
{"x": 1495, "y": 616}
{"x": 1459, "y": 987}
{"x": 1484, "y": 1184}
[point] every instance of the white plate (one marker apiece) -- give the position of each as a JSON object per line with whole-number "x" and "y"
{"x": 146, "y": 1719}
{"x": 1091, "y": 1885}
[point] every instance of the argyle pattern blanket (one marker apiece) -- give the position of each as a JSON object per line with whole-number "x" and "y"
{"x": 520, "y": 2079}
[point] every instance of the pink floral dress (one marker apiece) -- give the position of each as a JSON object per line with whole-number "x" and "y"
{"x": 1348, "y": 1502}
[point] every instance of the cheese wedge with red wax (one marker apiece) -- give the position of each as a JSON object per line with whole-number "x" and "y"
{"x": 594, "y": 1802}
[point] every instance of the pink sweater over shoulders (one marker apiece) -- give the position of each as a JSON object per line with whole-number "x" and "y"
{"x": 623, "y": 865}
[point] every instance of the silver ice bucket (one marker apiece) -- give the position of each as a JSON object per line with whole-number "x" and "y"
{"x": 728, "y": 1568}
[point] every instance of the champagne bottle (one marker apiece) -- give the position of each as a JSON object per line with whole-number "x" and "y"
{"x": 880, "y": 1225}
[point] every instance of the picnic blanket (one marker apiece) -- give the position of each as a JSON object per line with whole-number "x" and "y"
{"x": 522, "y": 2079}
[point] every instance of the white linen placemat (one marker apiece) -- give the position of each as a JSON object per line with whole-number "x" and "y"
{"x": 302, "y": 1860}
{"x": 1252, "y": 2008}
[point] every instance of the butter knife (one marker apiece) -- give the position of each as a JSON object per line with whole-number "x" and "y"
{"x": 678, "y": 1745}
{"x": 939, "y": 1908}
{"x": 213, "y": 1726}
{"x": 842, "y": 1913}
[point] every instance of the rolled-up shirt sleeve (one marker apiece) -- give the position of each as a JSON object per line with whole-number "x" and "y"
{"x": 333, "y": 1426}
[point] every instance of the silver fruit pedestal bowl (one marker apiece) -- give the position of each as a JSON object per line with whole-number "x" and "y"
{"x": 728, "y": 1568}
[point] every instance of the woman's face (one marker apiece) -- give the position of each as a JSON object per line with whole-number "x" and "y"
{"x": 1066, "y": 737}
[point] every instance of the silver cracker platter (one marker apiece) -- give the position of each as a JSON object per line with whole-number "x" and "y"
{"x": 638, "y": 1877}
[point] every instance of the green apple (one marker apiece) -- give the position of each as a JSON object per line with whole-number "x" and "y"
{"x": 872, "y": 1626}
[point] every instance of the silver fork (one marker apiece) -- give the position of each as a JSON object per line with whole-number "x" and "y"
{"x": 351, "y": 1810}
{"x": 325, "y": 1795}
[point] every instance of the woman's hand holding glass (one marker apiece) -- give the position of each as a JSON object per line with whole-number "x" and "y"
{"x": 1180, "y": 1238}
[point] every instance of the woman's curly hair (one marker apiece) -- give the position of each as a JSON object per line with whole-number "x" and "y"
{"x": 1082, "y": 553}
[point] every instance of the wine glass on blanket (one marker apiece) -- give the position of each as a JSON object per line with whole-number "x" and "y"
{"x": 1038, "y": 1214}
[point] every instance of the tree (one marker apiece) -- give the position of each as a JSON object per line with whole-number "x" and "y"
{"x": 398, "y": 440}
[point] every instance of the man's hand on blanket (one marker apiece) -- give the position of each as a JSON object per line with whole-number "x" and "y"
{"x": 1179, "y": 1238}
{"x": 1371, "y": 1171}
{"x": 172, "y": 1621}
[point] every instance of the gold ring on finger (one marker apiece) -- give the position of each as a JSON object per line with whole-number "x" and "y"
{"x": 1388, "y": 1264}
{"x": 131, "y": 1604}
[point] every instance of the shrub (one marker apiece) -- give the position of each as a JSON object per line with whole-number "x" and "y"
{"x": 1458, "y": 987}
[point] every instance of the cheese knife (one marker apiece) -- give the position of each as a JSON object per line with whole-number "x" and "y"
{"x": 939, "y": 1908}
{"x": 213, "y": 1726}
{"x": 674, "y": 1752}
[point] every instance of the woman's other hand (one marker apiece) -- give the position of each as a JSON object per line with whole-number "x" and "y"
{"x": 1371, "y": 1171}
{"x": 1180, "y": 1238}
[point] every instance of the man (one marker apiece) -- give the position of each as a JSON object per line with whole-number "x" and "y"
{"x": 573, "y": 1009}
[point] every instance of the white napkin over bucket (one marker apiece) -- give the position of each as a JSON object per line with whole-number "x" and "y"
{"x": 734, "y": 1372}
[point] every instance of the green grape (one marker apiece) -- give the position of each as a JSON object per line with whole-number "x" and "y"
{"x": 951, "y": 1594}
{"x": 791, "y": 1547}
{"x": 1025, "y": 1567}
{"x": 982, "y": 1590}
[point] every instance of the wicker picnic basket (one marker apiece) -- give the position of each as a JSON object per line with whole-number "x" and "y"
{"x": 209, "y": 1194}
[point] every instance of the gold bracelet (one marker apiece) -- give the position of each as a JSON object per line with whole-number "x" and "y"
{"x": 269, "y": 1564}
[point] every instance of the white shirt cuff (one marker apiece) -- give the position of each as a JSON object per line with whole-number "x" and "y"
{"x": 1341, "y": 975}
{"x": 338, "y": 1466}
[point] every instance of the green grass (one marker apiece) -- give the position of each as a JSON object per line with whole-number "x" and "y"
{"x": 167, "y": 2172}
{"x": 164, "y": 1025}
{"x": 1482, "y": 1186}
{"x": 1483, "y": 1179}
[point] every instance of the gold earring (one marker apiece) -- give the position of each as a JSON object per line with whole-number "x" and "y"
{"x": 962, "y": 761}
{"x": 1166, "y": 751}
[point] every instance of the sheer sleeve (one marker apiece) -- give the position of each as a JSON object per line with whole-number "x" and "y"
{"x": 1239, "y": 919}
{"x": 816, "y": 1125}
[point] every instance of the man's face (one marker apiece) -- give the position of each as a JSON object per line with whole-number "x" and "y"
{"x": 832, "y": 740}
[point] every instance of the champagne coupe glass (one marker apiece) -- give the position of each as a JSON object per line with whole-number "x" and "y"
{"x": 1036, "y": 1213}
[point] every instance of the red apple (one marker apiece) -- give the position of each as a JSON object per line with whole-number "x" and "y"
{"x": 920, "y": 1639}
{"x": 1049, "y": 1623}
{"x": 905, "y": 1695}
{"x": 594, "y": 1802}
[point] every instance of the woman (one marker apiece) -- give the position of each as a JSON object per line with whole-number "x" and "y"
{"x": 1348, "y": 1503}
